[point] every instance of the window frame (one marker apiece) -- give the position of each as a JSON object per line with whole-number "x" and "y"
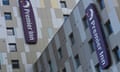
{"x": 15, "y": 64}
{"x": 85, "y": 22}
{"x": 101, "y": 4}
{"x": 108, "y": 27}
{"x": 77, "y": 60}
{"x": 65, "y": 16}
{"x": 11, "y": 45}
{"x": 11, "y": 30}
{"x": 64, "y": 70}
{"x": 8, "y": 15}
{"x": 98, "y": 68}
{"x": 116, "y": 54}
{"x": 50, "y": 66}
{"x": 72, "y": 39}
{"x": 60, "y": 55}
{"x": 5, "y": 2}
{"x": 0, "y": 65}
{"x": 91, "y": 45}
{"x": 63, "y": 4}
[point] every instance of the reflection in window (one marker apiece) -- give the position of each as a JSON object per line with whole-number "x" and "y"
{"x": 7, "y": 16}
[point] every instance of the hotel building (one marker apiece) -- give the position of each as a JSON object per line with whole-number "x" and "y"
{"x": 26, "y": 28}
{"x": 88, "y": 41}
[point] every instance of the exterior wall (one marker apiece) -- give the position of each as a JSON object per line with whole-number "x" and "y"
{"x": 74, "y": 24}
{"x": 48, "y": 17}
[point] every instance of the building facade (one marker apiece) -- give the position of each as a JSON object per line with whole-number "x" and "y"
{"x": 18, "y": 49}
{"x": 88, "y": 40}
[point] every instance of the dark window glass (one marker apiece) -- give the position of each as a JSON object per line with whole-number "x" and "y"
{"x": 60, "y": 52}
{"x": 15, "y": 64}
{"x": 0, "y": 64}
{"x": 63, "y": 4}
{"x": 98, "y": 68}
{"x": 85, "y": 22}
{"x": 5, "y": 2}
{"x": 108, "y": 27}
{"x": 65, "y": 16}
{"x": 77, "y": 60}
{"x": 71, "y": 37}
{"x": 101, "y": 4}
{"x": 117, "y": 53}
{"x": 50, "y": 65}
{"x": 64, "y": 70}
{"x": 92, "y": 45}
{"x": 8, "y": 16}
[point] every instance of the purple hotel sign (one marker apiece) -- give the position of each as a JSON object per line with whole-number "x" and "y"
{"x": 28, "y": 21}
{"x": 97, "y": 35}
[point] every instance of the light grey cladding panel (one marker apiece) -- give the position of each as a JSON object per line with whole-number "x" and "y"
{"x": 87, "y": 2}
{"x": 67, "y": 66}
{"x": 52, "y": 58}
{"x": 35, "y": 3}
{"x": 104, "y": 16}
{"x": 114, "y": 68}
{"x": 113, "y": 17}
{"x": 57, "y": 41}
{"x": 67, "y": 28}
{"x": 28, "y": 68}
{"x": 2, "y": 28}
{"x": 79, "y": 23}
{"x": 81, "y": 8}
{"x": 23, "y": 56}
{"x": 56, "y": 18}
{"x": 45, "y": 62}
{"x": 92, "y": 65}
{"x": 38, "y": 22}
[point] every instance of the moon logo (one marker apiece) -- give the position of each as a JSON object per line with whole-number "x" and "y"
{"x": 91, "y": 14}
{"x": 27, "y": 4}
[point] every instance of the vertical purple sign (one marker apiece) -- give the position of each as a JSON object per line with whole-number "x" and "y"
{"x": 97, "y": 35}
{"x": 28, "y": 20}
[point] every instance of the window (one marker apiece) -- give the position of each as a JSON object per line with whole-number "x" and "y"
{"x": 108, "y": 27}
{"x": 8, "y": 16}
{"x": 5, "y": 2}
{"x": 65, "y": 17}
{"x": 92, "y": 45}
{"x": 12, "y": 47}
{"x": 15, "y": 64}
{"x": 63, "y": 4}
{"x": 71, "y": 37}
{"x": 101, "y": 4}
{"x": 98, "y": 68}
{"x": 60, "y": 52}
{"x": 117, "y": 53}
{"x": 10, "y": 31}
{"x": 50, "y": 65}
{"x": 64, "y": 70}
{"x": 0, "y": 64}
{"x": 85, "y": 22}
{"x": 77, "y": 61}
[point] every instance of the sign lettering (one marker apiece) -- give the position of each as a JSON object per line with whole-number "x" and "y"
{"x": 28, "y": 20}
{"x": 97, "y": 35}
